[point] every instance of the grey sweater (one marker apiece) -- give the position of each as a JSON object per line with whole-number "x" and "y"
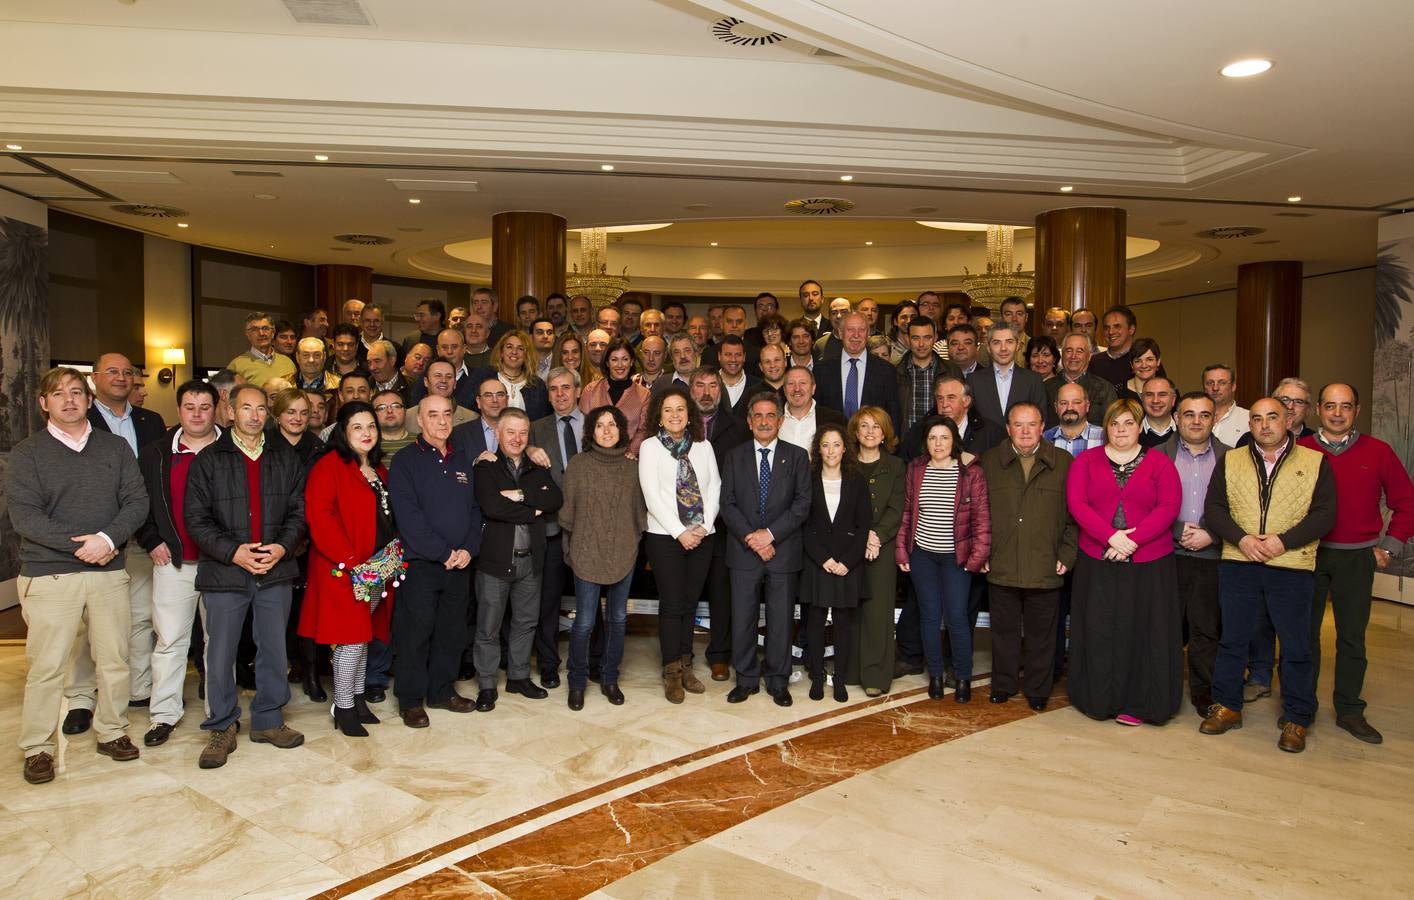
{"x": 55, "y": 494}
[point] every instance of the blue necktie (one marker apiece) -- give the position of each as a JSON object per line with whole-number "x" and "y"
{"x": 851, "y": 389}
{"x": 765, "y": 487}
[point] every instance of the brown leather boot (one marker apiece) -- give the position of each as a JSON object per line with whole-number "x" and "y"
{"x": 1220, "y": 719}
{"x": 689, "y": 680}
{"x": 672, "y": 681}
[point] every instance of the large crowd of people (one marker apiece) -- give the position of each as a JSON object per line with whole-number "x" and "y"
{"x": 409, "y": 516}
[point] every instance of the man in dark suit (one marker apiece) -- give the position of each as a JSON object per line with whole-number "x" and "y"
{"x": 856, "y": 377}
{"x": 765, "y": 501}
{"x": 737, "y": 384}
{"x": 996, "y": 387}
{"x": 724, "y": 431}
{"x": 113, "y": 378}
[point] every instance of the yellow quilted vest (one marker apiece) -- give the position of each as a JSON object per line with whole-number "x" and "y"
{"x": 1288, "y": 499}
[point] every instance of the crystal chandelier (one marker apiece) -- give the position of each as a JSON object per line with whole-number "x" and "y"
{"x": 1003, "y": 278}
{"x": 591, "y": 277}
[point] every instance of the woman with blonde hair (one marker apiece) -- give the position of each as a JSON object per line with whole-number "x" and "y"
{"x": 510, "y": 363}
{"x": 570, "y": 353}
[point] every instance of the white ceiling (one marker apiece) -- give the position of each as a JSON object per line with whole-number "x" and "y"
{"x": 977, "y": 115}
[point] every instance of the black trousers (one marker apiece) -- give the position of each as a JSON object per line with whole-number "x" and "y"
{"x": 1023, "y": 625}
{"x": 681, "y": 575}
{"x": 552, "y": 587}
{"x": 719, "y": 599}
{"x": 429, "y": 632}
{"x": 780, "y": 597}
{"x": 1202, "y": 610}
{"x": 815, "y": 640}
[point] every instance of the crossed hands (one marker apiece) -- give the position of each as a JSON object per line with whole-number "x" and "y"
{"x": 1120, "y": 546}
{"x": 1260, "y": 548}
{"x": 458, "y": 559}
{"x": 762, "y": 544}
{"x": 94, "y": 550}
{"x": 258, "y": 559}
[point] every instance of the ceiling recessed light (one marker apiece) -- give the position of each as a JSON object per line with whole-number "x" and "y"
{"x": 183, "y": 225}
{"x": 13, "y": 147}
{"x": 1067, "y": 188}
{"x": 414, "y": 200}
{"x": 868, "y": 243}
{"x": 846, "y": 178}
{"x": 320, "y": 157}
{"x": 1294, "y": 198}
{"x": 1246, "y": 68}
{"x": 714, "y": 243}
{"x": 265, "y": 197}
{"x": 606, "y": 168}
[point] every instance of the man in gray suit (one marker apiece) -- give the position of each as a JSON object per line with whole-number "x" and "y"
{"x": 765, "y": 501}
{"x": 560, "y": 435}
{"x": 1002, "y": 384}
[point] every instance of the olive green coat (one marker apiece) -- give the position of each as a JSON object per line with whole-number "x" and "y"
{"x": 1031, "y": 525}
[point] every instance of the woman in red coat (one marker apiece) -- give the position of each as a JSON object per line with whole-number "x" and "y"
{"x": 350, "y": 521}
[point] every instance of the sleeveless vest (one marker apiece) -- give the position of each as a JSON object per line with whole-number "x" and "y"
{"x": 1272, "y": 506}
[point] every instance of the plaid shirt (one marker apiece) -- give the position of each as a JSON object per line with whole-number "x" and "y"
{"x": 1092, "y": 436}
{"x": 920, "y": 389}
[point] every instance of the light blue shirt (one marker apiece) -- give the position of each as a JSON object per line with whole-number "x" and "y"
{"x": 122, "y": 425}
{"x": 1092, "y": 436}
{"x": 1003, "y": 378}
{"x": 844, "y": 377}
{"x": 576, "y": 425}
{"x": 489, "y": 432}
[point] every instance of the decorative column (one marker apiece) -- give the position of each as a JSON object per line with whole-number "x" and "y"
{"x": 1080, "y": 259}
{"x": 527, "y": 257}
{"x": 1268, "y": 326}
{"x": 335, "y": 285}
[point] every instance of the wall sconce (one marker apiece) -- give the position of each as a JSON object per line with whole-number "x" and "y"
{"x": 171, "y": 358}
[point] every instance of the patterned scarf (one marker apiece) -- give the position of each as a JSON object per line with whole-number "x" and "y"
{"x": 689, "y": 494}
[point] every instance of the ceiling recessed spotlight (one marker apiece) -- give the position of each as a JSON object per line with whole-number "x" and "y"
{"x": 1067, "y": 188}
{"x": 265, "y": 196}
{"x": 320, "y": 157}
{"x": 1246, "y": 68}
{"x": 846, "y": 178}
{"x": 183, "y": 225}
{"x": 606, "y": 168}
{"x": 414, "y": 200}
{"x": 1294, "y": 198}
{"x": 868, "y": 243}
{"x": 13, "y": 147}
{"x": 714, "y": 243}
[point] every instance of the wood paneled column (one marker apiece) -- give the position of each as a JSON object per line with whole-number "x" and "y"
{"x": 527, "y": 257}
{"x": 335, "y": 285}
{"x": 1268, "y": 326}
{"x": 1080, "y": 259}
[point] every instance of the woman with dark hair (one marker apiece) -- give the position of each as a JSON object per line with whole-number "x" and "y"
{"x": 945, "y": 537}
{"x": 836, "y": 534}
{"x": 898, "y": 336}
{"x": 677, "y": 472}
{"x": 1043, "y": 357}
{"x": 618, "y": 389}
{"x": 1146, "y": 362}
{"x": 354, "y": 562}
{"x": 871, "y": 660}
{"x": 773, "y": 329}
{"x": 1126, "y": 622}
{"x": 569, "y": 353}
{"x": 291, "y": 414}
{"x": 601, "y": 521}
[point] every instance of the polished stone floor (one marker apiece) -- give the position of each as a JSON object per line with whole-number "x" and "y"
{"x": 894, "y": 797}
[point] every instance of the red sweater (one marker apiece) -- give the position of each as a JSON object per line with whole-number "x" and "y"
{"x": 1362, "y": 472}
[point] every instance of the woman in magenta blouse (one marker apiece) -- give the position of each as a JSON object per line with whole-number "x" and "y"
{"x": 1126, "y": 638}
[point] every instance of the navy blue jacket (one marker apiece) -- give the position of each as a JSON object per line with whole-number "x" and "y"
{"x": 434, "y": 501}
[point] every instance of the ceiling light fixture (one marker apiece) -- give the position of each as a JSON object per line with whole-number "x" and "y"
{"x": 846, "y": 178}
{"x": 590, "y": 276}
{"x": 606, "y": 168}
{"x": 1294, "y": 198}
{"x": 320, "y": 157}
{"x": 414, "y": 200}
{"x": 1246, "y": 68}
{"x": 1067, "y": 188}
{"x": 13, "y": 147}
{"x": 183, "y": 225}
{"x": 868, "y": 243}
{"x": 1003, "y": 277}
{"x": 265, "y": 196}
{"x": 714, "y": 243}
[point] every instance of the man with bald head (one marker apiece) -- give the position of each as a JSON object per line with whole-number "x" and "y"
{"x": 1074, "y": 433}
{"x": 828, "y": 343}
{"x": 1270, "y": 503}
{"x": 312, "y": 373}
{"x": 856, "y": 377}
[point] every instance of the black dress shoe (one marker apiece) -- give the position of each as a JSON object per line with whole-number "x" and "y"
{"x": 781, "y": 696}
{"x": 576, "y": 699}
{"x": 467, "y": 671}
{"x": 903, "y": 668}
{"x": 144, "y": 703}
{"x": 157, "y": 735}
{"x": 595, "y": 672}
{"x": 549, "y": 679}
{"x": 999, "y": 697}
{"x": 455, "y": 703}
{"x": 739, "y": 694}
{"x": 414, "y": 717}
{"x": 1036, "y": 703}
{"x": 935, "y": 688}
{"x": 817, "y": 687}
{"x": 949, "y": 677}
{"x": 375, "y": 695}
{"x": 486, "y": 699}
{"x": 612, "y": 691}
{"x": 841, "y": 692}
{"x": 77, "y": 721}
{"x": 963, "y": 694}
{"x": 313, "y": 689}
{"x": 526, "y": 688}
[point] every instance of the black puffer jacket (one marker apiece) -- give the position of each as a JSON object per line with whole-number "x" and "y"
{"x": 218, "y": 512}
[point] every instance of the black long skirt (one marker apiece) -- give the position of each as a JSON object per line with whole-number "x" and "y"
{"x": 1126, "y": 639}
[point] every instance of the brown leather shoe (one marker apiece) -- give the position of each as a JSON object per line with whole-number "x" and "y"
{"x": 455, "y": 703}
{"x": 1293, "y": 738}
{"x": 39, "y": 769}
{"x": 416, "y": 717}
{"x": 720, "y": 672}
{"x": 1220, "y": 720}
{"x": 1361, "y": 729}
{"x": 282, "y": 736}
{"x": 219, "y": 745}
{"x": 120, "y": 749}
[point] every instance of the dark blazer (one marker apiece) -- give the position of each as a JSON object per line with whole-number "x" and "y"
{"x": 501, "y": 515}
{"x": 545, "y": 434}
{"x": 842, "y": 539}
{"x": 880, "y": 384}
{"x": 535, "y": 394}
{"x": 148, "y": 425}
{"x": 727, "y": 431}
{"x": 1026, "y": 386}
{"x": 1170, "y": 449}
{"x": 743, "y": 404}
{"x": 787, "y": 505}
{"x": 218, "y": 512}
{"x": 402, "y": 386}
{"x": 470, "y": 436}
{"x": 982, "y": 435}
{"x": 155, "y": 462}
{"x": 1098, "y": 391}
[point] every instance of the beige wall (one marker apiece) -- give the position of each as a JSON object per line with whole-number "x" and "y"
{"x": 166, "y": 317}
{"x": 1337, "y": 332}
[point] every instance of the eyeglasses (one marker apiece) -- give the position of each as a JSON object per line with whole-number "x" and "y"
{"x": 497, "y": 395}
{"x": 384, "y": 407}
{"x": 114, "y": 373}
{"x": 1292, "y": 401}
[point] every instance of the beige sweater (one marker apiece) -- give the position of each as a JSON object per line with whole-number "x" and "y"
{"x": 603, "y": 515}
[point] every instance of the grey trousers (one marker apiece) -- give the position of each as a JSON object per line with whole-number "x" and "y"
{"x": 222, "y": 616}
{"x": 522, "y": 594}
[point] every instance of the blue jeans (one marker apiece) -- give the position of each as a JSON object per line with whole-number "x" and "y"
{"x": 586, "y": 610}
{"x": 943, "y": 587}
{"x": 1249, "y": 593}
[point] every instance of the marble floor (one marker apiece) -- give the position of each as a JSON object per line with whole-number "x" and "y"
{"x": 898, "y": 796}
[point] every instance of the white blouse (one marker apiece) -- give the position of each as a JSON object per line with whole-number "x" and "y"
{"x": 658, "y": 474}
